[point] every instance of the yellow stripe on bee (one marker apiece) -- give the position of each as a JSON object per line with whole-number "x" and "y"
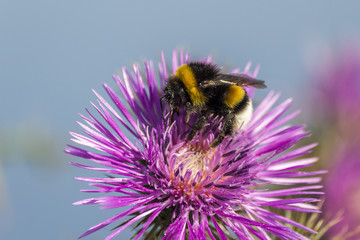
{"x": 186, "y": 75}
{"x": 234, "y": 95}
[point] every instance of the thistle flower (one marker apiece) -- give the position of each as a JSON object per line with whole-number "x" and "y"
{"x": 337, "y": 92}
{"x": 337, "y": 96}
{"x": 342, "y": 190}
{"x": 190, "y": 191}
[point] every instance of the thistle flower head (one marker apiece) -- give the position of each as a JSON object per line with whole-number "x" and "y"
{"x": 338, "y": 122}
{"x": 337, "y": 91}
{"x": 179, "y": 190}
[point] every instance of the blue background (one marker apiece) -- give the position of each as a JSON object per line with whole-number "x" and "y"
{"x": 52, "y": 53}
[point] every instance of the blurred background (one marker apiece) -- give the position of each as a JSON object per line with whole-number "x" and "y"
{"x": 52, "y": 53}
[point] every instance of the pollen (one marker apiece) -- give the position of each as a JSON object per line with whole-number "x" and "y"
{"x": 194, "y": 161}
{"x": 192, "y": 158}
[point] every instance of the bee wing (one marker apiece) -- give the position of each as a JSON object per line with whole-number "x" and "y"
{"x": 240, "y": 79}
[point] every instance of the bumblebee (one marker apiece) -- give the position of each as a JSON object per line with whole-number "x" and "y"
{"x": 200, "y": 88}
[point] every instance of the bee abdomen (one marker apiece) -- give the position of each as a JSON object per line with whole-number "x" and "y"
{"x": 243, "y": 114}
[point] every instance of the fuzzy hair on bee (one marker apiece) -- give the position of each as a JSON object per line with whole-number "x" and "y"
{"x": 200, "y": 88}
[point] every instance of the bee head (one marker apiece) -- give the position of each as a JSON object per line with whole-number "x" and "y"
{"x": 175, "y": 94}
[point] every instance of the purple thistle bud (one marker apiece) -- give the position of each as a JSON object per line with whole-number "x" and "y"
{"x": 176, "y": 190}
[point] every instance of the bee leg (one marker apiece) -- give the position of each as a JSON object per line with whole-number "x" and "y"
{"x": 217, "y": 141}
{"x": 226, "y": 130}
{"x": 198, "y": 125}
{"x": 171, "y": 118}
{"x": 189, "y": 109}
{"x": 187, "y": 118}
{"x": 162, "y": 110}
